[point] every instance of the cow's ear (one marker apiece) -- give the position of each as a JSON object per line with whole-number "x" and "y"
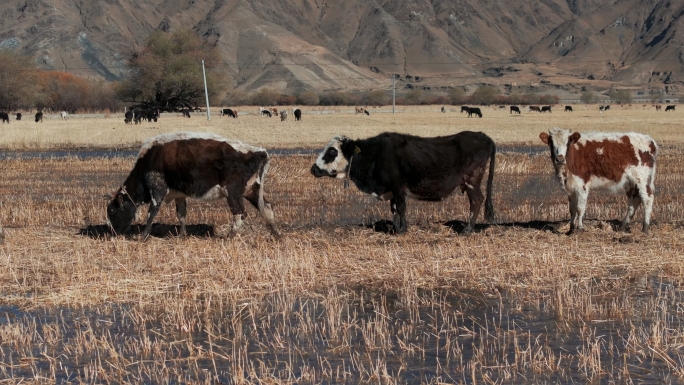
{"x": 544, "y": 137}
{"x": 575, "y": 137}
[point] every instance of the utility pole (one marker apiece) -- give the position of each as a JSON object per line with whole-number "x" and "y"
{"x": 394, "y": 91}
{"x": 206, "y": 93}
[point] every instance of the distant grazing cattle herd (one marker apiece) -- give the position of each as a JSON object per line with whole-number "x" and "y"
{"x": 140, "y": 115}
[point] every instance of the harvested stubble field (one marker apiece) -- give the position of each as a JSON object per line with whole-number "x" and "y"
{"x": 336, "y": 301}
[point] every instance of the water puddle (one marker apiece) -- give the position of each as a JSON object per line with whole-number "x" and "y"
{"x": 129, "y": 153}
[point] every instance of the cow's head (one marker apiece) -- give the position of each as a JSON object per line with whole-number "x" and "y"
{"x": 559, "y": 140}
{"x": 332, "y": 162}
{"x": 121, "y": 212}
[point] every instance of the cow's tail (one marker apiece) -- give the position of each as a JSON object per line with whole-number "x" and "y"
{"x": 265, "y": 208}
{"x": 489, "y": 206}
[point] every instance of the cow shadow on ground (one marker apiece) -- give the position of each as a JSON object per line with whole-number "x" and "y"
{"x": 159, "y": 230}
{"x": 387, "y": 226}
{"x": 551, "y": 226}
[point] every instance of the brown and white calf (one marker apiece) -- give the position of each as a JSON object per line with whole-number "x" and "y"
{"x": 604, "y": 160}
{"x": 173, "y": 167}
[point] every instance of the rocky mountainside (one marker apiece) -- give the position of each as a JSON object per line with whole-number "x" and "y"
{"x": 359, "y": 44}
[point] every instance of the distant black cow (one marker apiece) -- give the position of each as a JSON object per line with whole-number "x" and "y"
{"x": 39, "y": 117}
{"x": 365, "y": 111}
{"x": 149, "y": 114}
{"x": 474, "y": 111}
{"x": 229, "y": 112}
{"x": 604, "y": 108}
{"x": 393, "y": 166}
{"x": 173, "y": 167}
{"x": 568, "y": 108}
{"x": 545, "y": 109}
{"x": 266, "y": 113}
{"x": 18, "y": 115}
{"x": 4, "y": 117}
{"x": 668, "y": 108}
{"x": 465, "y": 109}
{"x": 298, "y": 114}
{"x": 185, "y": 112}
{"x": 128, "y": 117}
{"x": 514, "y": 109}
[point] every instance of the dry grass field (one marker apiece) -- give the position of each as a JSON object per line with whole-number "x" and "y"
{"x": 337, "y": 301}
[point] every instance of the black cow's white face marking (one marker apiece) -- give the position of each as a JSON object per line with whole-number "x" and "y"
{"x": 331, "y": 162}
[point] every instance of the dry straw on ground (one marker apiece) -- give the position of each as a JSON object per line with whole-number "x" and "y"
{"x": 336, "y": 301}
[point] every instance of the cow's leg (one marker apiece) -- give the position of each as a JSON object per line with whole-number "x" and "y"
{"x": 266, "y": 210}
{"x": 572, "y": 202}
{"x": 237, "y": 207}
{"x": 646, "y": 194}
{"x": 181, "y": 211}
{"x": 582, "y": 196}
{"x": 472, "y": 185}
{"x": 398, "y": 207}
{"x": 633, "y": 202}
{"x": 158, "y": 189}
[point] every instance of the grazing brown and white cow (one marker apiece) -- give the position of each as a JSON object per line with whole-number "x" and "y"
{"x": 173, "y": 167}
{"x": 658, "y": 107}
{"x": 604, "y": 160}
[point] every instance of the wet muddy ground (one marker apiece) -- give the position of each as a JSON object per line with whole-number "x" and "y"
{"x": 348, "y": 337}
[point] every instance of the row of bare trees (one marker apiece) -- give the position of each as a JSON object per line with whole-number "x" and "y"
{"x": 23, "y": 86}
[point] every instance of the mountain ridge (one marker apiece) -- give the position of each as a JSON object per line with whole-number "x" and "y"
{"x": 291, "y": 45}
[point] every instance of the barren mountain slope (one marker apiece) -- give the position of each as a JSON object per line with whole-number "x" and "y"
{"x": 354, "y": 44}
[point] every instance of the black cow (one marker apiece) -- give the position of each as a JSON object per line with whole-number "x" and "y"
{"x": 229, "y": 112}
{"x": 4, "y": 117}
{"x": 298, "y": 114}
{"x": 568, "y": 109}
{"x": 266, "y": 113}
{"x": 514, "y": 109}
{"x": 128, "y": 117}
{"x": 396, "y": 166}
{"x": 465, "y": 109}
{"x": 545, "y": 109}
{"x": 668, "y": 108}
{"x": 153, "y": 115}
{"x": 474, "y": 110}
{"x": 366, "y": 112}
{"x": 39, "y": 117}
{"x": 18, "y": 115}
{"x": 173, "y": 167}
{"x": 185, "y": 112}
{"x": 604, "y": 108}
